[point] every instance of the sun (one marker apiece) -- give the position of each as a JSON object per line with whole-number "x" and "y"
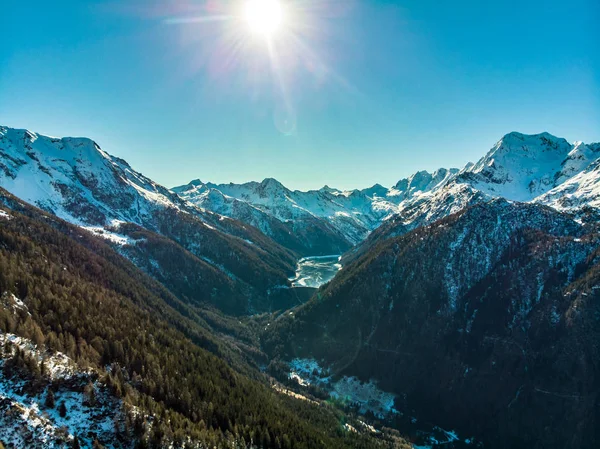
{"x": 263, "y": 16}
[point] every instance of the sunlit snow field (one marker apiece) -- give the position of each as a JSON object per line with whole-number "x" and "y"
{"x": 316, "y": 271}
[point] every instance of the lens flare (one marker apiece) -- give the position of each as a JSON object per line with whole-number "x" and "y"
{"x": 271, "y": 50}
{"x": 263, "y": 16}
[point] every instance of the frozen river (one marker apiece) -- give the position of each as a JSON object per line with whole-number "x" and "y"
{"x": 316, "y": 271}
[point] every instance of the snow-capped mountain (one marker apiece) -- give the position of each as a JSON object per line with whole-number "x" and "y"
{"x": 536, "y": 168}
{"x": 341, "y": 219}
{"x": 518, "y": 168}
{"x": 521, "y": 167}
{"x": 74, "y": 179}
{"x": 306, "y": 235}
{"x": 325, "y": 221}
{"x": 419, "y": 183}
{"x": 581, "y": 191}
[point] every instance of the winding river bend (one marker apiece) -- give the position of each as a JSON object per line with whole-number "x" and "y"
{"x": 316, "y": 270}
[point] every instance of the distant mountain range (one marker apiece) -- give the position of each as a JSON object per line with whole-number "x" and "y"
{"x": 529, "y": 168}
{"x": 317, "y": 222}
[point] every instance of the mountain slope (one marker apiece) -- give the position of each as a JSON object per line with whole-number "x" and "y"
{"x": 70, "y": 291}
{"x": 77, "y": 181}
{"x": 485, "y": 321}
{"x": 581, "y": 192}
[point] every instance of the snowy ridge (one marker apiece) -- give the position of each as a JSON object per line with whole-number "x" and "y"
{"x": 76, "y": 180}
{"x": 518, "y": 167}
{"x": 581, "y": 190}
{"x": 421, "y": 182}
{"x": 352, "y": 213}
{"x": 524, "y": 167}
{"x": 536, "y": 168}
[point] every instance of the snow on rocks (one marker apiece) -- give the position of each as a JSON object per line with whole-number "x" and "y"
{"x": 28, "y": 420}
{"x": 366, "y": 395}
{"x": 76, "y": 180}
{"x": 57, "y": 364}
{"x": 9, "y": 300}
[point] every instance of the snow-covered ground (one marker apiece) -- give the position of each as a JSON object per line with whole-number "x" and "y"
{"x": 111, "y": 233}
{"x": 368, "y": 397}
{"x": 26, "y": 421}
{"x": 351, "y": 390}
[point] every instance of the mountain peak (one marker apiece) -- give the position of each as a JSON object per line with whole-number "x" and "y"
{"x": 271, "y": 181}
{"x": 522, "y": 136}
{"x": 377, "y": 190}
{"x": 271, "y": 184}
{"x": 328, "y": 189}
{"x": 521, "y": 140}
{"x": 520, "y": 166}
{"x": 193, "y": 184}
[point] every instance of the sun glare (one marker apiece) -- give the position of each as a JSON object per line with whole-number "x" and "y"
{"x": 264, "y": 16}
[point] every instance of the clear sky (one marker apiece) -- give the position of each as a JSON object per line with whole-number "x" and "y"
{"x": 352, "y": 93}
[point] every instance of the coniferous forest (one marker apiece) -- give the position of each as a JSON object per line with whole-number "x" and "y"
{"x": 154, "y": 352}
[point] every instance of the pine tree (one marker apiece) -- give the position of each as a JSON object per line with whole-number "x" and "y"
{"x": 62, "y": 410}
{"x": 49, "y": 403}
{"x": 90, "y": 393}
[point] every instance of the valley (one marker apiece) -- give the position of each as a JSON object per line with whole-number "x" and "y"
{"x": 285, "y": 224}
{"x": 453, "y": 284}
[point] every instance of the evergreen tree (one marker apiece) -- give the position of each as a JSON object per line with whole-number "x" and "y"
{"x": 49, "y": 403}
{"x": 62, "y": 410}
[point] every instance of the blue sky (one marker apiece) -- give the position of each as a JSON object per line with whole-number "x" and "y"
{"x": 374, "y": 90}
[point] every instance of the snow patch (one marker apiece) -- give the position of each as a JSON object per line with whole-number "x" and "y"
{"x": 24, "y": 417}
